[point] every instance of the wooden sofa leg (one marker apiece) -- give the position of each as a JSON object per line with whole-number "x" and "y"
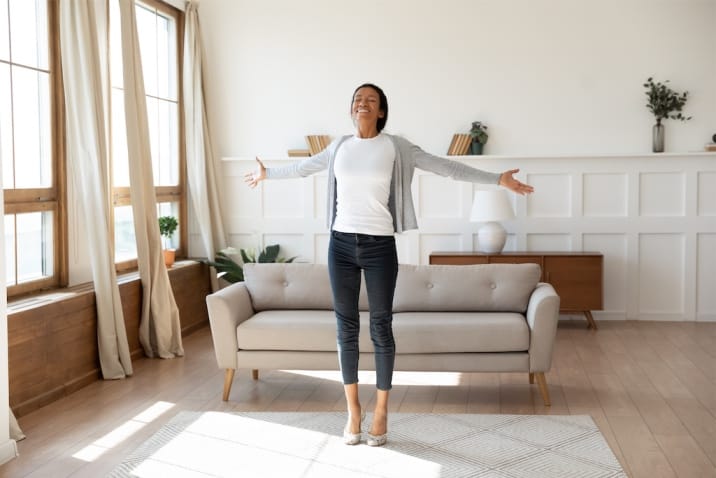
{"x": 542, "y": 382}
{"x": 228, "y": 379}
{"x": 532, "y": 378}
{"x": 255, "y": 374}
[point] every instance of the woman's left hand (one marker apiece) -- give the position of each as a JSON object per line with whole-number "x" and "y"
{"x": 513, "y": 184}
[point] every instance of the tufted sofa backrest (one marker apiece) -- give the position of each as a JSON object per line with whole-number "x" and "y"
{"x": 484, "y": 287}
{"x": 488, "y": 287}
{"x": 291, "y": 286}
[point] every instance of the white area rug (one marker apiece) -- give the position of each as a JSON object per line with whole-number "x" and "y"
{"x": 286, "y": 445}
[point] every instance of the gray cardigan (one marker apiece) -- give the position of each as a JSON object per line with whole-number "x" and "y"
{"x": 407, "y": 157}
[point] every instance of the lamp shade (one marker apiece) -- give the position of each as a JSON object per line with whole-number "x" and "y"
{"x": 491, "y": 205}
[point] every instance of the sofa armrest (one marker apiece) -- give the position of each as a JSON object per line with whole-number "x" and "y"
{"x": 542, "y": 318}
{"x": 227, "y": 308}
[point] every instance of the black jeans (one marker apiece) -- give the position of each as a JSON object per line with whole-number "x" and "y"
{"x": 376, "y": 256}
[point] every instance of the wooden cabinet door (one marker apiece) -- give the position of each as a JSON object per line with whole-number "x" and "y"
{"x": 577, "y": 280}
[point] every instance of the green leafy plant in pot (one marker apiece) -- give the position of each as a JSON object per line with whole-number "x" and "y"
{"x": 479, "y": 136}
{"x": 664, "y": 103}
{"x": 232, "y": 272}
{"x": 167, "y": 227}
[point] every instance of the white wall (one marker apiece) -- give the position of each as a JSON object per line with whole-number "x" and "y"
{"x": 547, "y": 76}
{"x": 653, "y": 217}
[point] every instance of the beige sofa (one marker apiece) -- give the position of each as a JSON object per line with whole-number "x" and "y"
{"x": 479, "y": 318}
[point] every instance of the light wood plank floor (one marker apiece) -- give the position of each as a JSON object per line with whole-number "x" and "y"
{"x": 649, "y": 386}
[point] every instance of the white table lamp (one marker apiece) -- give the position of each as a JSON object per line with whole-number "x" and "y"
{"x": 491, "y": 206}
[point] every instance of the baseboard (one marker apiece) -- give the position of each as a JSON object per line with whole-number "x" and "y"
{"x": 190, "y": 329}
{"x": 8, "y": 451}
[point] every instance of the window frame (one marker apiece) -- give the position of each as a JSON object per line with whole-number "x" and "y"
{"x": 53, "y": 198}
{"x": 121, "y": 194}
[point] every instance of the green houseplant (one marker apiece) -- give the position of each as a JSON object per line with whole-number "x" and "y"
{"x": 231, "y": 271}
{"x": 478, "y": 133}
{"x": 167, "y": 226}
{"x": 664, "y": 103}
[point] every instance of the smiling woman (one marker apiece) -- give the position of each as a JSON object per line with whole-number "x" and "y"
{"x": 369, "y": 200}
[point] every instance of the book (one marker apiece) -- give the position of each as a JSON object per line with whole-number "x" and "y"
{"x": 317, "y": 143}
{"x": 710, "y": 147}
{"x": 460, "y": 144}
{"x": 298, "y": 153}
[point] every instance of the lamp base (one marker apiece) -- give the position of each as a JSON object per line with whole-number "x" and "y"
{"x": 491, "y": 237}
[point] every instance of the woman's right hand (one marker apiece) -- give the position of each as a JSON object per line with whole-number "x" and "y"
{"x": 258, "y": 175}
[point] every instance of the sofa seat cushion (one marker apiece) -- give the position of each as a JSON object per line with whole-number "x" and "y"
{"x": 300, "y": 330}
{"x": 415, "y": 332}
{"x": 457, "y": 332}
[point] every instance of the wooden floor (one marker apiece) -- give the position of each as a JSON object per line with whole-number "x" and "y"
{"x": 649, "y": 386}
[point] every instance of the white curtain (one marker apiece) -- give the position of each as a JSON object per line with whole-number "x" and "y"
{"x": 159, "y": 328}
{"x": 13, "y": 431}
{"x": 83, "y": 44}
{"x": 201, "y": 167}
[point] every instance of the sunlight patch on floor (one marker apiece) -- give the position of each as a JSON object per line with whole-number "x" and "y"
{"x": 97, "y": 448}
{"x": 216, "y": 443}
{"x": 399, "y": 378}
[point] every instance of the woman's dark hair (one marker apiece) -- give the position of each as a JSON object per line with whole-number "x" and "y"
{"x": 383, "y": 103}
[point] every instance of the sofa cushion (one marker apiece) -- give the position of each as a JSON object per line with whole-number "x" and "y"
{"x": 415, "y": 332}
{"x": 296, "y": 330}
{"x": 456, "y": 332}
{"x": 483, "y": 287}
{"x": 292, "y": 286}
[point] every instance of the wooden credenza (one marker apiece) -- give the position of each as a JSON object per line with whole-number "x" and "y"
{"x": 576, "y": 276}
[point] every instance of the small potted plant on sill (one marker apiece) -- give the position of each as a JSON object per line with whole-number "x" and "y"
{"x": 479, "y": 136}
{"x": 167, "y": 227}
{"x": 664, "y": 103}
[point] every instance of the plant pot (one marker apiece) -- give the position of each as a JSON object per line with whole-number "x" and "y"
{"x": 169, "y": 257}
{"x": 657, "y": 140}
{"x": 475, "y": 148}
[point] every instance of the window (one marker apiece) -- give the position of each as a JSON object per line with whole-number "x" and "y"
{"x": 158, "y": 28}
{"x": 30, "y": 133}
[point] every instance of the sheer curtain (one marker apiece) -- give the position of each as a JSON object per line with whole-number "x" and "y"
{"x": 201, "y": 166}
{"x": 159, "y": 328}
{"x": 8, "y": 449}
{"x": 83, "y": 45}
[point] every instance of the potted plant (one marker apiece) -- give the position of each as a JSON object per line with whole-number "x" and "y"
{"x": 479, "y": 136}
{"x": 231, "y": 272}
{"x": 664, "y": 103}
{"x": 167, "y": 227}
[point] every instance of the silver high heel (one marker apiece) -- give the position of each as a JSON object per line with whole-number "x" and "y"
{"x": 352, "y": 438}
{"x": 377, "y": 440}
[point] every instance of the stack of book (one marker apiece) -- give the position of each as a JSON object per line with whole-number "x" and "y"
{"x": 317, "y": 143}
{"x": 460, "y": 145}
{"x": 298, "y": 153}
{"x": 710, "y": 147}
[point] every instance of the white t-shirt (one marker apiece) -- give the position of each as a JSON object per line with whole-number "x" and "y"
{"x": 364, "y": 168}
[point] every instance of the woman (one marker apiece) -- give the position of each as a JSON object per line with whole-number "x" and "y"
{"x": 369, "y": 200}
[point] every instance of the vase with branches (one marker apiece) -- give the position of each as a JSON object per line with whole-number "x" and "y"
{"x": 664, "y": 103}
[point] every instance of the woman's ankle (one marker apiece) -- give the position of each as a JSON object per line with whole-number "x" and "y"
{"x": 380, "y": 422}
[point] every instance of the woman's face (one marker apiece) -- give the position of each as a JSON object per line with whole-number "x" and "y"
{"x": 366, "y": 106}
